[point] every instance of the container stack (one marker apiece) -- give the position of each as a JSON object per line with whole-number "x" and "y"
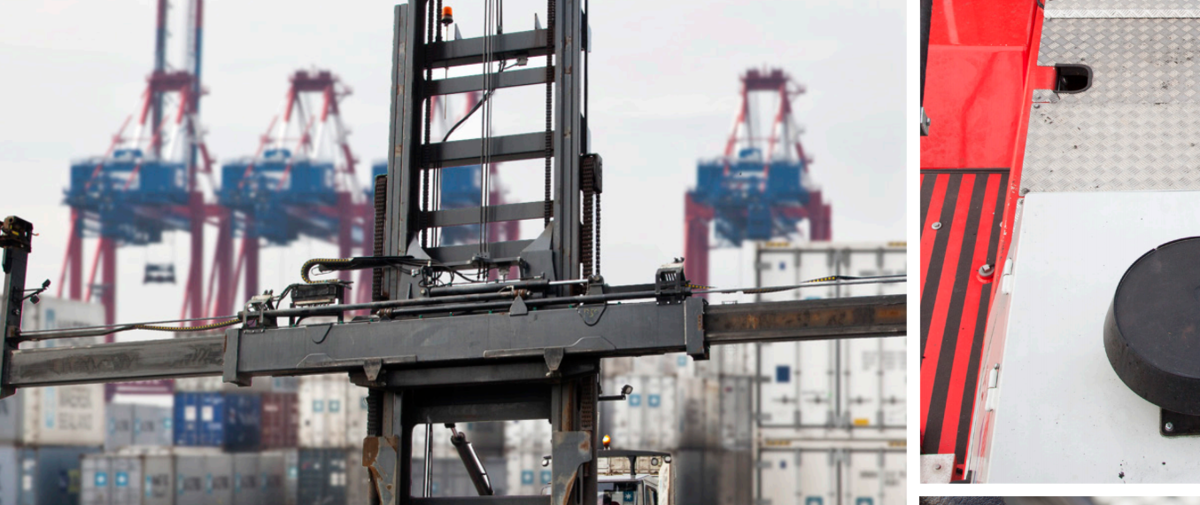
{"x": 44, "y": 432}
{"x": 835, "y": 408}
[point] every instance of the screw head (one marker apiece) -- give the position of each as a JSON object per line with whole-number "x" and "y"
{"x": 937, "y": 225}
{"x": 1169, "y": 426}
{"x": 985, "y": 270}
{"x": 937, "y": 467}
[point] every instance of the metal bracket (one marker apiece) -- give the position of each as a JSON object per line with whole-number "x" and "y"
{"x": 518, "y": 308}
{"x": 554, "y": 357}
{"x": 229, "y": 373}
{"x": 693, "y": 329}
{"x": 591, "y": 313}
{"x": 1174, "y": 424}
{"x": 571, "y": 450}
{"x": 379, "y": 456}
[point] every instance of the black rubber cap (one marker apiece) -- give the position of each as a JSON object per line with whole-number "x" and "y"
{"x": 1152, "y": 332}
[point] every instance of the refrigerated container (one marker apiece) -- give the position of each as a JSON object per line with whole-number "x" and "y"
{"x": 247, "y": 480}
{"x": 322, "y": 476}
{"x": 61, "y": 415}
{"x": 108, "y": 479}
{"x": 119, "y": 419}
{"x": 280, "y": 420}
{"x": 648, "y": 419}
{"x": 95, "y": 471}
{"x": 152, "y": 425}
{"x": 525, "y": 473}
{"x": 232, "y": 421}
{"x": 158, "y": 479}
{"x": 834, "y": 476}
{"x": 203, "y": 477}
{"x": 279, "y": 475}
{"x": 323, "y": 411}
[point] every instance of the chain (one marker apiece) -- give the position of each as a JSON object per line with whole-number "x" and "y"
{"x": 597, "y": 234}
{"x": 549, "y": 104}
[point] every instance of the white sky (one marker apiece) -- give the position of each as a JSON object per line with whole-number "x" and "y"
{"x": 663, "y": 96}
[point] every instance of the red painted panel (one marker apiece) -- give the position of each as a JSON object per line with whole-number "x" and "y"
{"x": 972, "y": 98}
{"x": 981, "y": 22}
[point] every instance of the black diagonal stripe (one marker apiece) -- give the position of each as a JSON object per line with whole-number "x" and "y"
{"x": 933, "y": 276}
{"x": 926, "y": 196}
{"x": 985, "y": 301}
{"x": 954, "y": 313}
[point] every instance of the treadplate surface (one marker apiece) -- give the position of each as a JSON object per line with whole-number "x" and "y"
{"x": 1135, "y": 128}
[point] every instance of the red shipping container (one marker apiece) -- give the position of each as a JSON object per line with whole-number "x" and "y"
{"x": 280, "y": 420}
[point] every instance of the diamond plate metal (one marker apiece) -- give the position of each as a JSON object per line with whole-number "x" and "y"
{"x": 1129, "y": 5}
{"x": 1138, "y": 126}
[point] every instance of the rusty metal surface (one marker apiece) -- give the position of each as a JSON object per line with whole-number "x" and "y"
{"x": 571, "y": 450}
{"x": 871, "y": 316}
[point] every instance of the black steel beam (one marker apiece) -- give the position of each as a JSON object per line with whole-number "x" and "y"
{"x": 505, "y": 79}
{"x": 876, "y": 316}
{"x": 491, "y": 214}
{"x": 461, "y": 254}
{"x": 597, "y": 331}
{"x": 525, "y": 146}
{"x": 504, "y": 47}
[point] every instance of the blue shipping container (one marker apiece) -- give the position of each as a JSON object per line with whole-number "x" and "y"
{"x": 232, "y": 421}
{"x": 51, "y": 475}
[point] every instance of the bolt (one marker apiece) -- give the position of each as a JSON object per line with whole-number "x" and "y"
{"x": 985, "y": 271}
{"x": 1169, "y": 427}
{"x": 937, "y": 467}
{"x": 937, "y": 225}
{"x": 1037, "y": 105}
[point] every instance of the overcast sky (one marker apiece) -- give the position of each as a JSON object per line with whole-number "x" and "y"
{"x": 663, "y": 96}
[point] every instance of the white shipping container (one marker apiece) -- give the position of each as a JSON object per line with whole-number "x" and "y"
{"x": 527, "y": 435}
{"x": 95, "y": 471}
{"x": 842, "y": 384}
{"x": 323, "y": 401}
{"x": 356, "y": 414}
{"x": 260, "y": 384}
{"x": 62, "y": 415}
{"x": 525, "y": 473}
{"x": 648, "y": 419}
{"x": 811, "y": 477}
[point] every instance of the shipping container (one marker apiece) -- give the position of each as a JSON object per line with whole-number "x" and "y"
{"x": 95, "y": 488}
{"x": 9, "y": 475}
{"x": 152, "y": 426}
{"x": 322, "y": 476}
{"x": 712, "y": 477}
{"x": 158, "y": 479}
{"x": 525, "y": 474}
{"x": 648, "y": 419}
{"x": 358, "y": 479}
{"x": 280, "y": 474}
{"x": 356, "y": 415}
{"x": 62, "y": 415}
{"x": 323, "y": 411}
{"x": 51, "y": 475}
{"x": 834, "y": 477}
{"x": 203, "y": 476}
{"x": 247, "y": 479}
{"x": 119, "y": 419}
{"x": 280, "y": 420}
{"x": 232, "y": 421}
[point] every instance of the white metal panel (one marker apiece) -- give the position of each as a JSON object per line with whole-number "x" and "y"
{"x": 356, "y": 414}
{"x": 1057, "y": 393}
{"x": 874, "y": 478}
{"x": 95, "y": 480}
{"x": 859, "y": 382}
{"x": 323, "y": 406}
{"x": 126, "y": 480}
{"x": 525, "y": 473}
{"x": 64, "y": 415}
